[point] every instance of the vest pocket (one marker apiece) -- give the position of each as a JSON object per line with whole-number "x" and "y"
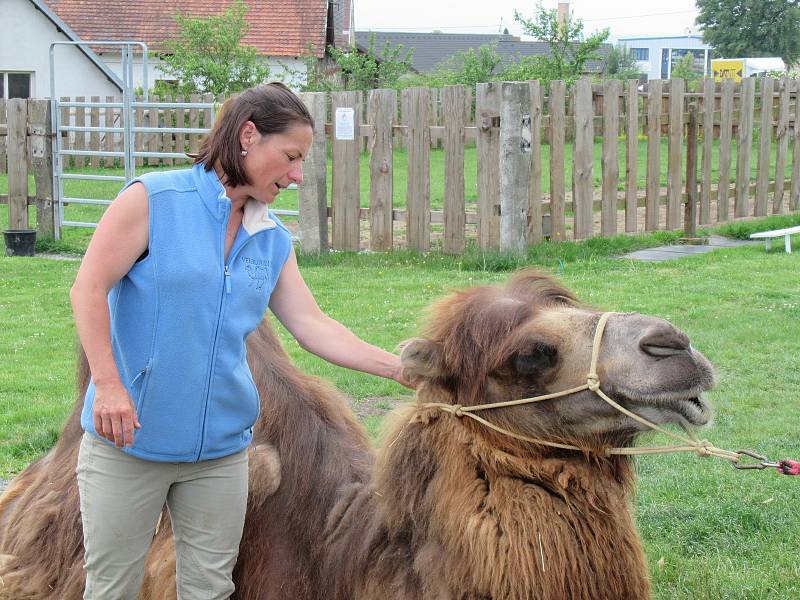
{"x": 138, "y": 387}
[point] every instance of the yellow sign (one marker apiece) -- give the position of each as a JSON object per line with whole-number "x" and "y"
{"x": 728, "y": 69}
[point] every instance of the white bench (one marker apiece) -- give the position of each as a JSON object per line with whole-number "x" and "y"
{"x": 776, "y": 233}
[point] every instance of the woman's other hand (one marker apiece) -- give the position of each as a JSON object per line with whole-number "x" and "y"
{"x": 114, "y": 414}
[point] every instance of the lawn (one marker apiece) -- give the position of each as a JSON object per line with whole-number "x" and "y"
{"x": 710, "y": 532}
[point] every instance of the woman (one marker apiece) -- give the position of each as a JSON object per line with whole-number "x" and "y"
{"x": 180, "y": 270}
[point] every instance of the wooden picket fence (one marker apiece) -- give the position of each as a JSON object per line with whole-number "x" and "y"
{"x": 524, "y": 134}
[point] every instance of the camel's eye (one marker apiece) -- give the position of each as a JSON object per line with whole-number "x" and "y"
{"x": 536, "y": 358}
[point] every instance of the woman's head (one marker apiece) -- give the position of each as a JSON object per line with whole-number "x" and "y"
{"x": 260, "y": 111}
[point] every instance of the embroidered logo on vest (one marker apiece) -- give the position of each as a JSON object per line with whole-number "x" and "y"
{"x": 258, "y": 270}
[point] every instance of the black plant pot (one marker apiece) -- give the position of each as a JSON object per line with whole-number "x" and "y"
{"x": 20, "y": 242}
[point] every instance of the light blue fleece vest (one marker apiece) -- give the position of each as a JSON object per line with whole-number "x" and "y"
{"x": 180, "y": 316}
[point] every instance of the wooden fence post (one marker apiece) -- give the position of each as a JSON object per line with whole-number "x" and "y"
{"x": 515, "y": 165}
{"x": 725, "y": 135}
{"x": 138, "y": 144}
{"x": 94, "y": 136}
{"x": 42, "y": 161}
{"x": 610, "y": 160}
{"x": 653, "y": 200}
{"x": 690, "y": 213}
{"x": 764, "y": 148}
{"x": 382, "y": 109}
{"x": 709, "y": 89}
{"x": 418, "y": 202}
{"x": 194, "y": 123}
{"x": 110, "y": 137}
{"x": 153, "y": 139}
{"x": 346, "y": 197}
{"x": 783, "y": 147}
{"x": 452, "y": 111}
{"x": 3, "y": 138}
{"x": 487, "y": 115}
{"x": 535, "y": 230}
{"x": 180, "y": 138}
{"x": 674, "y": 171}
{"x": 558, "y": 92}
{"x": 17, "y": 110}
{"x": 312, "y": 193}
{"x": 794, "y": 191}
{"x": 632, "y": 156}
{"x": 583, "y": 159}
{"x": 744, "y": 147}
{"x": 80, "y": 136}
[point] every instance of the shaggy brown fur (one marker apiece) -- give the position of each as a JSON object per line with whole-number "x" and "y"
{"x": 322, "y": 447}
{"x": 450, "y": 510}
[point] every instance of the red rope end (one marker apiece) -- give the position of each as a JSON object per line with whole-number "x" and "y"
{"x": 789, "y": 467}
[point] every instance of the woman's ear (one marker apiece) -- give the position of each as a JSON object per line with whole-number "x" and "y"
{"x": 247, "y": 134}
{"x": 421, "y": 359}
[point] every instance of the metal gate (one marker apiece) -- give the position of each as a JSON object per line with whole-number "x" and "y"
{"x": 128, "y": 130}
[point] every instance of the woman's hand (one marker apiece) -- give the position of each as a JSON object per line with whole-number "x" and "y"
{"x": 114, "y": 414}
{"x": 400, "y": 377}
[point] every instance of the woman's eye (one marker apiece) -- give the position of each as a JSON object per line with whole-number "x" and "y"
{"x": 291, "y": 158}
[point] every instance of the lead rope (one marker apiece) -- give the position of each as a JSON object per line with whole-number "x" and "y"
{"x": 687, "y": 444}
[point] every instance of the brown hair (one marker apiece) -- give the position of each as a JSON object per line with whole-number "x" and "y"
{"x": 272, "y": 108}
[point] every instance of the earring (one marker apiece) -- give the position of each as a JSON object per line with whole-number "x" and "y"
{"x": 244, "y": 152}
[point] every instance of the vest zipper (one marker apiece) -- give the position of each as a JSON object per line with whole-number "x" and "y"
{"x": 226, "y": 290}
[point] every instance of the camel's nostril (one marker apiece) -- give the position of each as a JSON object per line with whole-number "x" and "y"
{"x": 666, "y": 341}
{"x": 661, "y": 351}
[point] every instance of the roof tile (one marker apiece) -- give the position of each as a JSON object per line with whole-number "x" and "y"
{"x": 277, "y": 27}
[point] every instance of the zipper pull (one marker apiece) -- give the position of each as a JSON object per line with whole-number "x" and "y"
{"x": 227, "y": 280}
{"x": 140, "y": 374}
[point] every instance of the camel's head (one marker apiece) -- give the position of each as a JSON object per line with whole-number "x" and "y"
{"x": 531, "y": 337}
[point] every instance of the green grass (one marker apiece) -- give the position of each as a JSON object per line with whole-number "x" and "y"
{"x": 722, "y": 534}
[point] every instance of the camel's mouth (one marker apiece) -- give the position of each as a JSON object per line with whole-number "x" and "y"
{"x": 697, "y": 410}
{"x": 694, "y": 410}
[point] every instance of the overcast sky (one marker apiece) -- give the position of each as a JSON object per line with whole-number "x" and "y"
{"x": 624, "y": 18}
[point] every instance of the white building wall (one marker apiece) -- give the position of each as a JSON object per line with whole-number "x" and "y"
{"x": 654, "y": 66}
{"x": 291, "y": 71}
{"x": 25, "y": 38}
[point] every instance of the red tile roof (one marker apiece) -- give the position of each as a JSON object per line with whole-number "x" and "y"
{"x": 277, "y": 27}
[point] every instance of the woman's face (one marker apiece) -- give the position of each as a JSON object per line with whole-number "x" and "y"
{"x": 274, "y": 161}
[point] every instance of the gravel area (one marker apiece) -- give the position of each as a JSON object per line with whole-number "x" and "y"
{"x": 3, "y": 485}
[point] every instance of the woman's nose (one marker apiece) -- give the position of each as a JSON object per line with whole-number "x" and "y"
{"x": 296, "y": 174}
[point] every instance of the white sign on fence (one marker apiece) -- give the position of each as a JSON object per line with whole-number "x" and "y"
{"x": 345, "y": 124}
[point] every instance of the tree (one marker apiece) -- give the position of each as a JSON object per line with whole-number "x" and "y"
{"x": 371, "y": 69}
{"x": 207, "y": 56}
{"x": 569, "y": 51}
{"x": 741, "y": 28}
{"x": 685, "y": 69}
{"x": 463, "y": 68}
{"x": 621, "y": 64}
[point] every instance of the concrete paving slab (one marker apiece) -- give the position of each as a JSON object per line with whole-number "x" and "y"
{"x": 675, "y": 251}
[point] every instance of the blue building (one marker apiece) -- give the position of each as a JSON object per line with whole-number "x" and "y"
{"x": 657, "y": 55}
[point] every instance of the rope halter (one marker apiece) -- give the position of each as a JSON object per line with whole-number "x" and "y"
{"x": 690, "y": 443}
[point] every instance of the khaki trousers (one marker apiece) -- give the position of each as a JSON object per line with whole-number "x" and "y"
{"x": 121, "y": 499}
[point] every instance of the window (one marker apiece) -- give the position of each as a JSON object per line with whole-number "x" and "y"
{"x": 15, "y": 85}
{"x": 698, "y": 63}
{"x": 641, "y": 53}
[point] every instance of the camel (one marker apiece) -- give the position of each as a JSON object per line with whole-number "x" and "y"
{"x": 446, "y": 507}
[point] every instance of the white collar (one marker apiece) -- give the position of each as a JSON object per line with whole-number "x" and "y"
{"x": 256, "y": 217}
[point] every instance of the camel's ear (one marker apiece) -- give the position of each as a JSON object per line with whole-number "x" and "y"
{"x": 421, "y": 358}
{"x": 536, "y": 358}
